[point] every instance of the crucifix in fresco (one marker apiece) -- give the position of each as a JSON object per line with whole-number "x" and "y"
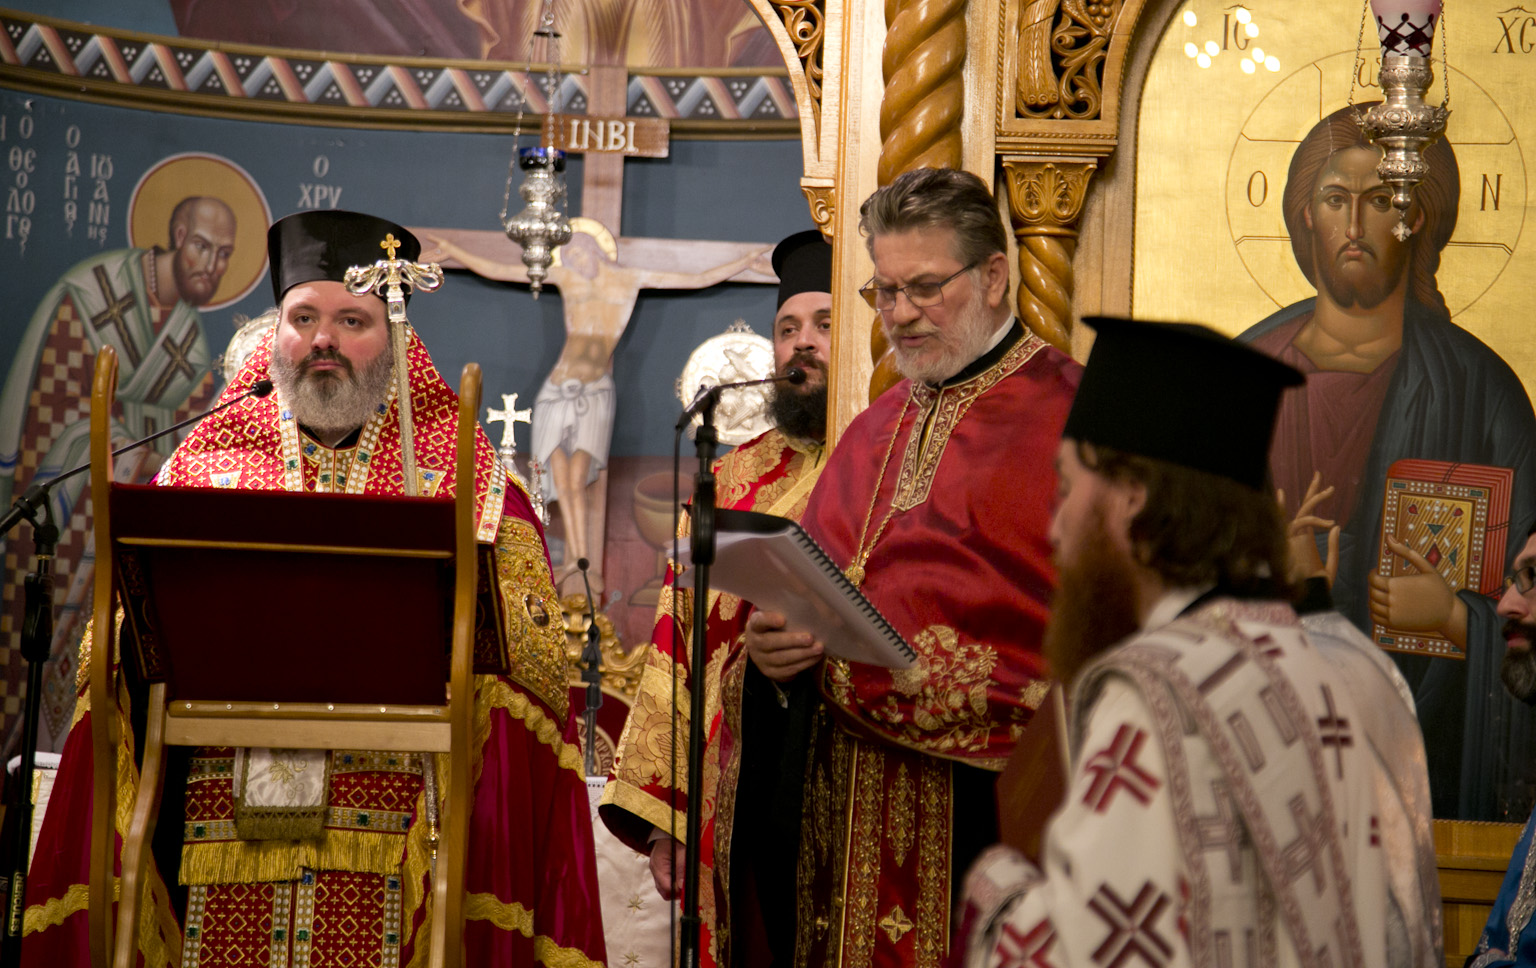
{"x": 599, "y": 277}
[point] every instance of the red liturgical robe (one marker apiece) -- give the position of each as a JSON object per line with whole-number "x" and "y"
{"x": 358, "y": 893}
{"x": 954, "y": 520}
{"x": 1327, "y": 425}
{"x": 769, "y": 473}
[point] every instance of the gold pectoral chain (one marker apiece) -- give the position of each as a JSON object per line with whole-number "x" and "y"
{"x": 855, "y": 569}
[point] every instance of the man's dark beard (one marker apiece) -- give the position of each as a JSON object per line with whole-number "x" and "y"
{"x": 801, "y": 411}
{"x": 1518, "y": 670}
{"x": 1363, "y": 295}
{"x": 1094, "y": 606}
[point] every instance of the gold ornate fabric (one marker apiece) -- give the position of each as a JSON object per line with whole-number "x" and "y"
{"x": 873, "y": 880}
{"x": 774, "y": 474}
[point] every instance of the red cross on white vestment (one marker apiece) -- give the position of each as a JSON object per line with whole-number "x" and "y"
{"x": 1132, "y": 926}
{"x": 1114, "y": 768}
{"x": 1267, "y": 644}
{"x": 1031, "y": 949}
{"x": 1333, "y": 730}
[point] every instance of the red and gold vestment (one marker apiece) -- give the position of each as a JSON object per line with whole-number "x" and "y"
{"x": 952, "y": 531}
{"x": 771, "y": 473}
{"x": 357, "y": 895}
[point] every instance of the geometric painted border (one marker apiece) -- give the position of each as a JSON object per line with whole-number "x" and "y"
{"x": 96, "y": 63}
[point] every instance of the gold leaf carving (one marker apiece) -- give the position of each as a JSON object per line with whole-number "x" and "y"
{"x": 1045, "y": 200}
{"x": 823, "y": 202}
{"x": 1061, "y": 50}
{"x": 806, "y": 23}
{"x": 621, "y": 669}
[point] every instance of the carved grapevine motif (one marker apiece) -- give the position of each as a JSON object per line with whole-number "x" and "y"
{"x": 806, "y": 25}
{"x": 1062, "y": 46}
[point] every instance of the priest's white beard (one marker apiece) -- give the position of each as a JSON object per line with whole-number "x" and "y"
{"x": 333, "y": 401}
{"x": 957, "y": 346}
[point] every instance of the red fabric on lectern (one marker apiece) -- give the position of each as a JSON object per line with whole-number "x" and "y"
{"x": 394, "y": 652}
{"x": 531, "y": 886}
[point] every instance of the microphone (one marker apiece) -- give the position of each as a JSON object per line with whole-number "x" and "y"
{"x": 36, "y": 495}
{"x": 710, "y": 395}
{"x": 258, "y": 389}
{"x": 591, "y": 674}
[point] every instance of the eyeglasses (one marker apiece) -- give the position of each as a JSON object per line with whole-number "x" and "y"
{"x": 919, "y": 294}
{"x": 1523, "y": 578}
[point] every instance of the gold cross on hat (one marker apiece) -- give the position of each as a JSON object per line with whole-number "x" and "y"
{"x": 390, "y": 244}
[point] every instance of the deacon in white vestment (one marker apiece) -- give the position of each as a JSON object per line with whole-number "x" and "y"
{"x": 1247, "y": 788}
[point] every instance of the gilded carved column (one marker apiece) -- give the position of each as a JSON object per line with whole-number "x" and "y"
{"x": 1062, "y": 67}
{"x": 1045, "y": 200}
{"x": 924, "y": 102}
{"x": 920, "y": 114}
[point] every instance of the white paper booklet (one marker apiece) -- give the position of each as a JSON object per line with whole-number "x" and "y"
{"x": 771, "y": 562}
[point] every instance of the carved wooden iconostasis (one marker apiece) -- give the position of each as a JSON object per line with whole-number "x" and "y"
{"x": 1135, "y": 153}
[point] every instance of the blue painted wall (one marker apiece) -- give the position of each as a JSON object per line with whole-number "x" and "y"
{"x": 744, "y": 191}
{"x": 147, "y": 16}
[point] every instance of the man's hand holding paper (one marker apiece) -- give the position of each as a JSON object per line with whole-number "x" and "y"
{"x": 778, "y": 653}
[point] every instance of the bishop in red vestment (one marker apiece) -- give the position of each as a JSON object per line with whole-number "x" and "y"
{"x": 354, "y": 889}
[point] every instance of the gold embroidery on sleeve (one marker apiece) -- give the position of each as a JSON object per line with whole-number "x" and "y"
{"x": 535, "y": 634}
{"x": 948, "y": 689}
{"x": 645, "y": 747}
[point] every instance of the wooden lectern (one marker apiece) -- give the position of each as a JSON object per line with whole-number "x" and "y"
{"x": 226, "y": 592}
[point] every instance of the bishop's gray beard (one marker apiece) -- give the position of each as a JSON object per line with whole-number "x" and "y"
{"x": 333, "y": 402}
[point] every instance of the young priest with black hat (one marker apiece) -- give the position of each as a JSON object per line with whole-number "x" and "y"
{"x": 1228, "y": 803}
{"x": 317, "y": 857}
{"x": 751, "y": 891}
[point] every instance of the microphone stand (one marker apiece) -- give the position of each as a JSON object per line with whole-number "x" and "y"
{"x": 592, "y": 675}
{"x": 702, "y": 549}
{"x": 36, "y": 643}
{"x": 702, "y": 552}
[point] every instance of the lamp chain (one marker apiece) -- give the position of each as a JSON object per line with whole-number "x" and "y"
{"x": 552, "y": 91}
{"x": 1354, "y": 75}
{"x": 1445, "y": 63}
